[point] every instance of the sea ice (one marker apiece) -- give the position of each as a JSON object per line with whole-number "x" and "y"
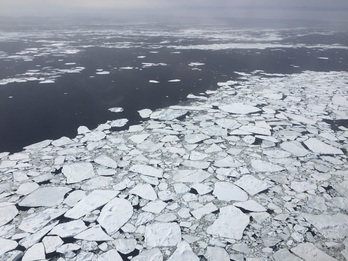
{"x": 116, "y": 109}
{"x": 228, "y": 123}
{"x": 7, "y": 213}
{"x": 162, "y": 234}
{"x": 230, "y": 223}
{"x": 226, "y": 191}
{"x": 250, "y": 205}
{"x": 7, "y": 245}
{"x": 95, "y": 199}
{"x": 190, "y": 176}
{"x": 125, "y": 246}
{"x": 36, "y": 252}
{"x": 94, "y": 234}
{"x": 265, "y": 166}
{"x": 145, "y": 113}
{"x": 153, "y": 254}
{"x": 115, "y": 214}
{"x": 320, "y": 147}
{"x": 78, "y": 172}
{"x": 251, "y": 184}
{"x": 38, "y": 220}
{"x": 195, "y": 138}
{"x": 167, "y": 114}
{"x": 111, "y": 255}
{"x": 106, "y": 161}
{"x": 239, "y": 108}
{"x": 216, "y": 253}
{"x": 45, "y": 197}
{"x": 118, "y": 123}
{"x": 69, "y": 229}
{"x": 207, "y": 209}
{"x": 145, "y": 191}
{"x": 183, "y": 252}
{"x": 309, "y": 252}
{"x": 51, "y": 243}
{"x": 330, "y": 226}
{"x": 63, "y": 141}
{"x": 295, "y": 148}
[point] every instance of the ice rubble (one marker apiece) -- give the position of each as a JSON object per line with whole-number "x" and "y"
{"x": 253, "y": 178}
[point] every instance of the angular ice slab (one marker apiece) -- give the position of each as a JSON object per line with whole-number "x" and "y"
{"x": 77, "y": 172}
{"x": 115, "y": 214}
{"x": 320, "y": 147}
{"x": 96, "y": 199}
{"x": 45, "y": 197}
{"x": 239, "y": 108}
{"x": 230, "y": 223}
{"x": 147, "y": 170}
{"x": 167, "y": 114}
{"x": 162, "y": 234}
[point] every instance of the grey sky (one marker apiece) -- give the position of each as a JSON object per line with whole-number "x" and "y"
{"x": 289, "y": 9}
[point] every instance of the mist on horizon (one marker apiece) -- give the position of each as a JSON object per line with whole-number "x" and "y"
{"x": 203, "y": 10}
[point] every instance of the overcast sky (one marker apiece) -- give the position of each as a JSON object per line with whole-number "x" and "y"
{"x": 288, "y": 9}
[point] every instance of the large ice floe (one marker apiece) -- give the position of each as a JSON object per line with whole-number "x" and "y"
{"x": 259, "y": 175}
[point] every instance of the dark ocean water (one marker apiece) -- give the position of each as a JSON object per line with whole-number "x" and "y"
{"x": 31, "y": 112}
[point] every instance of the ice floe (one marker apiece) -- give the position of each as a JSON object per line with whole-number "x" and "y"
{"x": 230, "y": 223}
{"x": 162, "y": 234}
{"x": 242, "y": 177}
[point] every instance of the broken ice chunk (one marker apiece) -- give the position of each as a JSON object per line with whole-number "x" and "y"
{"x": 147, "y": 170}
{"x": 139, "y": 138}
{"x": 36, "y": 252}
{"x": 77, "y": 172}
{"x": 195, "y": 138}
{"x": 145, "y": 113}
{"x": 200, "y": 212}
{"x": 295, "y": 148}
{"x": 193, "y": 176}
{"x": 250, "y": 205}
{"x": 239, "y": 108}
{"x": 285, "y": 255}
{"x": 95, "y": 199}
{"x": 115, "y": 214}
{"x": 227, "y": 191}
{"x": 330, "y": 226}
{"x": 162, "y": 234}
{"x": 168, "y": 114}
{"x": 7, "y": 213}
{"x": 94, "y": 234}
{"x": 111, "y": 255}
{"x": 116, "y": 109}
{"x": 106, "y": 161}
{"x": 51, "y": 243}
{"x": 227, "y": 162}
{"x": 309, "y": 252}
{"x": 69, "y": 229}
{"x": 153, "y": 254}
{"x": 216, "y": 253}
{"x": 228, "y": 123}
{"x": 145, "y": 191}
{"x": 45, "y": 197}
{"x": 264, "y": 166}
{"x": 155, "y": 206}
{"x": 183, "y": 252}
{"x": 320, "y": 147}
{"x": 230, "y": 223}
{"x": 36, "y": 221}
{"x": 252, "y": 185}
{"x": 118, "y": 123}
